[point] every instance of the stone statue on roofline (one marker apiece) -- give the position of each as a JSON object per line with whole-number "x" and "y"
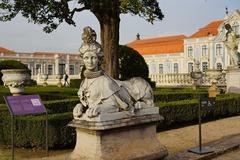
{"x": 231, "y": 41}
{"x": 99, "y": 93}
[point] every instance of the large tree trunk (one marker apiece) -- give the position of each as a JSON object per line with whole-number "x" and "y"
{"x": 109, "y": 25}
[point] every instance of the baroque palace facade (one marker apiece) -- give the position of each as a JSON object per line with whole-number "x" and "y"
{"x": 170, "y": 59}
{"x": 46, "y": 63}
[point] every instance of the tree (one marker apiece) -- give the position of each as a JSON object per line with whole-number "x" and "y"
{"x": 54, "y": 12}
{"x": 131, "y": 64}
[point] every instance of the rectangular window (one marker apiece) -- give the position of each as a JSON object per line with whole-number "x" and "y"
{"x": 190, "y": 67}
{"x": 204, "y": 66}
{"x": 38, "y": 69}
{"x": 219, "y": 66}
{"x": 50, "y": 69}
{"x": 175, "y": 67}
{"x": 204, "y": 50}
{"x": 218, "y": 49}
{"x": 61, "y": 69}
{"x": 160, "y": 68}
{"x": 190, "y": 51}
{"x": 71, "y": 70}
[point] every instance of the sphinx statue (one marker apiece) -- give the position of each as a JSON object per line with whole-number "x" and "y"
{"x": 99, "y": 93}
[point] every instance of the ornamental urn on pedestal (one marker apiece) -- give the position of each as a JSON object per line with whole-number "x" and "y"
{"x": 15, "y": 79}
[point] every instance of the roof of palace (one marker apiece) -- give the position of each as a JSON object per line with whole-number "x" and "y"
{"x": 172, "y": 44}
{"x": 209, "y": 29}
{"x": 161, "y": 45}
{"x": 5, "y": 50}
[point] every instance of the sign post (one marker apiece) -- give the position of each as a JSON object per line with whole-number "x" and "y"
{"x": 25, "y": 105}
{"x": 203, "y": 102}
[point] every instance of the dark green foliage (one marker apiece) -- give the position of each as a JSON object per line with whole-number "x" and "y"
{"x": 180, "y": 112}
{"x": 131, "y": 64}
{"x": 176, "y": 96}
{"x": 30, "y": 131}
{"x": 11, "y": 64}
{"x": 75, "y": 83}
{"x": 31, "y": 82}
{"x": 52, "y": 13}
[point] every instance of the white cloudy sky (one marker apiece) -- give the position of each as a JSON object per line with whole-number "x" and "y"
{"x": 181, "y": 17}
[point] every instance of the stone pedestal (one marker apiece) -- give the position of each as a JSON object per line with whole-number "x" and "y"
{"x": 233, "y": 80}
{"x": 132, "y": 138}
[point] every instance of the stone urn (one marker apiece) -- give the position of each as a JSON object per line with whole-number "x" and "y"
{"x": 196, "y": 76}
{"x": 15, "y": 79}
{"x": 213, "y": 75}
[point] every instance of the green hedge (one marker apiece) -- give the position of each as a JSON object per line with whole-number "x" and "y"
{"x": 177, "y": 96}
{"x": 75, "y": 83}
{"x": 30, "y": 131}
{"x": 187, "y": 110}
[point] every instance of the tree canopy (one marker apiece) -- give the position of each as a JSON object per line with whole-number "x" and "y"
{"x": 52, "y": 13}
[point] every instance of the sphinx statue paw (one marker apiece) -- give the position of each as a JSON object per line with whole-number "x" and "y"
{"x": 77, "y": 111}
{"x": 93, "y": 111}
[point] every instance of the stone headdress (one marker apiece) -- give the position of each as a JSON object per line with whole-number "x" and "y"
{"x": 90, "y": 44}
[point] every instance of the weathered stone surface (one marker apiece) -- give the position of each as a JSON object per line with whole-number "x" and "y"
{"x": 233, "y": 80}
{"x": 123, "y": 139}
{"x": 120, "y": 115}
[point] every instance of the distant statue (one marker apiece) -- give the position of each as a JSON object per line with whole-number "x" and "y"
{"x": 231, "y": 42}
{"x": 99, "y": 93}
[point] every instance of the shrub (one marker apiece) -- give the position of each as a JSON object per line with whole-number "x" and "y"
{"x": 131, "y": 64}
{"x": 30, "y": 131}
{"x": 11, "y": 64}
{"x": 180, "y": 112}
{"x": 75, "y": 83}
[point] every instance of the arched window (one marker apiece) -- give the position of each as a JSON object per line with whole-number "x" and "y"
{"x": 190, "y": 51}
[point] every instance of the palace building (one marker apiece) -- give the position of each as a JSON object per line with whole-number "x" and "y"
{"x": 170, "y": 59}
{"x": 46, "y": 63}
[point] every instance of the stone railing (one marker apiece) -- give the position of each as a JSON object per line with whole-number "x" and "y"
{"x": 181, "y": 79}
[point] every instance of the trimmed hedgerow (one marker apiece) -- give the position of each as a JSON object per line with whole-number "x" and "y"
{"x": 75, "y": 83}
{"x": 30, "y": 131}
{"x": 171, "y": 96}
{"x": 61, "y": 106}
{"x": 179, "y": 112}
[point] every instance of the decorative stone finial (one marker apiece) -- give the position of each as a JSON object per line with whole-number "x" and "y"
{"x": 138, "y": 36}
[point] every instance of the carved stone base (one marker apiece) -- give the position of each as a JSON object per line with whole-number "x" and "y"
{"x": 233, "y": 80}
{"x": 131, "y": 138}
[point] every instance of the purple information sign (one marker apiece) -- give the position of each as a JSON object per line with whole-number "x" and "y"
{"x": 25, "y": 104}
